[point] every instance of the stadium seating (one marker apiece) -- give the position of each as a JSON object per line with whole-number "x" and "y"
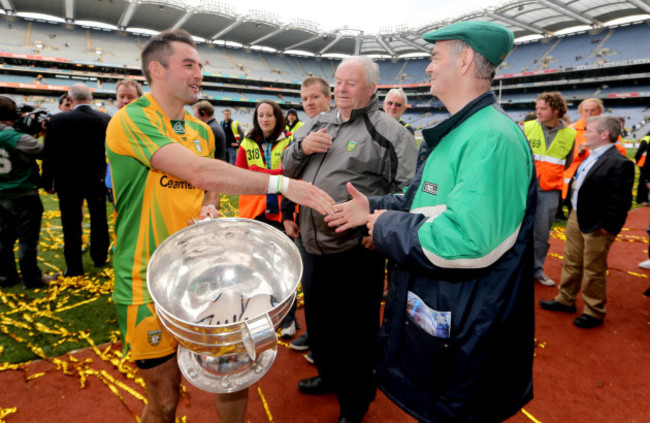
{"x": 625, "y": 43}
{"x": 391, "y": 73}
{"x": 574, "y": 50}
{"x": 248, "y": 67}
{"x": 524, "y": 58}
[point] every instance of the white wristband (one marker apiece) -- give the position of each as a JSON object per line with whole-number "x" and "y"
{"x": 285, "y": 185}
{"x": 277, "y": 184}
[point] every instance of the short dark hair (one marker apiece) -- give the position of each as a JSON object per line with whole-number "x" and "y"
{"x": 62, "y": 98}
{"x": 204, "y": 108}
{"x": 159, "y": 47}
{"x": 555, "y": 101}
{"x": 8, "y": 109}
{"x": 256, "y": 133}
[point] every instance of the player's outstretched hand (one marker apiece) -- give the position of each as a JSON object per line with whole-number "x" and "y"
{"x": 309, "y": 195}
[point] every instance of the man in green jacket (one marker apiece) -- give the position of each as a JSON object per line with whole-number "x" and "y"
{"x": 458, "y": 330}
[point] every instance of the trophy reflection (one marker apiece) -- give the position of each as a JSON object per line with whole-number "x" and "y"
{"x": 221, "y": 287}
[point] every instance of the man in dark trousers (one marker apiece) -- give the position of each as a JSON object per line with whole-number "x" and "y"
{"x": 233, "y": 132}
{"x": 20, "y": 205}
{"x": 601, "y": 197}
{"x": 74, "y": 167}
{"x": 458, "y": 329}
{"x": 204, "y": 111}
{"x": 353, "y": 142}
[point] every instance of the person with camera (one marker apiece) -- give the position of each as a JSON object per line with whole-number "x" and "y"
{"x": 20, "y": 206}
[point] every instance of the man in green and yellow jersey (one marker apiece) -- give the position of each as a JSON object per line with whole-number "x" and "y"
{"x": 163, "y": 176}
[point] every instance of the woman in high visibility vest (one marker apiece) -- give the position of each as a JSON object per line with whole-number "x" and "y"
{"x": 261, "y": 151}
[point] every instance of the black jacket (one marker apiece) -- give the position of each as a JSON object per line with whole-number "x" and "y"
{"x": 605, "y": 195}
{"x": 75, "y": 154}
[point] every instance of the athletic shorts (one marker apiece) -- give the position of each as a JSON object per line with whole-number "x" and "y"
{"x": 142, "y": 332}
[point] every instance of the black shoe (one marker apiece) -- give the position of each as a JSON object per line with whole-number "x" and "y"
{"x": 5, "y": 283}
{"x": 314, "y": 386}
{"x": 552, "y": 305}
{"x": 72, "y": 274}
{"x": 301, "y": 343}
{"x": 585, "y": 321}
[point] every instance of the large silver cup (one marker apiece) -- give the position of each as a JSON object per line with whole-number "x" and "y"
{"x": 221, "y": 287}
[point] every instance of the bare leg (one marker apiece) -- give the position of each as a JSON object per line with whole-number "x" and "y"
{"x": 162, "y": 383}
{"x": 231, "y": 407}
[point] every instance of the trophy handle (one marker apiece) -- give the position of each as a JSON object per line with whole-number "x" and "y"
{"x": 258, "y": 335}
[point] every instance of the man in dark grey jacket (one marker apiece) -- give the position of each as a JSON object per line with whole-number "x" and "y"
{"x": 354, "y": 142}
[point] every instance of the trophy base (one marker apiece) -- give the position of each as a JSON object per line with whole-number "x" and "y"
{"x": 223, "y": 374}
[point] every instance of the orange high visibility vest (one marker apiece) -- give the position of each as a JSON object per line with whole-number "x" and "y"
{"x": 550, "y": 161}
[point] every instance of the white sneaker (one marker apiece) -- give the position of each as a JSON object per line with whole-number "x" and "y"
{"x": 645, "y": 264}
{"x": 545, "y": 280}
{"x": 289, "y": 331}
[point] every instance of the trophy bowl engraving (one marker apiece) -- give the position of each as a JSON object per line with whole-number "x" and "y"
{"x": 221, "y": 287}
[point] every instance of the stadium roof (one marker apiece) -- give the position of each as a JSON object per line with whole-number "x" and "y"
{"x": 218, "y": 22}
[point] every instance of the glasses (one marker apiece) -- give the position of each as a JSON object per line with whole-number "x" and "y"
{"x": 392, "y": 103}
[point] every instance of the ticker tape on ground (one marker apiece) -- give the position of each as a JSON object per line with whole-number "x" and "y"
{"x": 530, "y": 416}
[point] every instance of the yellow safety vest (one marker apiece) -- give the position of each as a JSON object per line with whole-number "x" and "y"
{"x": 251, "y": 206}
{"x": 549, "y": 162}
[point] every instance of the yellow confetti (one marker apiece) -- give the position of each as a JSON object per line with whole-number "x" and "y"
{"x": 530, "y": 416}
{"x": 265, "y": 404}
{"x": 4, "y": 412}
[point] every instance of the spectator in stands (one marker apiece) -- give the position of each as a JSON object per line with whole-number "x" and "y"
{"x": 359, "y": 143}
{"x": 233, "y": 132}
{"x": 293, "y": 121}
{"x": 552, "y": 142}
{"x": 601, "y": 198}
{"x": 261, "y": 151}
{"x": 316, "y": 99}
{"x": 64, "y": 103}
{"x": 395, "y": 105}
{"x": 204, "y": 111}
{"x": 461, "y": 236}
{"x": 75, "y": 168}
{"x": 155, "y": 137}
{"x": 20, "y": 205}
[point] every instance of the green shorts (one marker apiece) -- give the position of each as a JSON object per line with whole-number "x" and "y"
{"x": 142, "y": 332}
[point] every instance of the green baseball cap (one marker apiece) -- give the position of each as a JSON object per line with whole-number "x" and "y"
{"x": 492, "y": 40}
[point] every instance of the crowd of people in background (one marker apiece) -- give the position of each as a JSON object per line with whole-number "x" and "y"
{"x": 361, "y": 198}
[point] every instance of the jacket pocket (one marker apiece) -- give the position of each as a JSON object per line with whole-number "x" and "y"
{"x": 428, "y": 361}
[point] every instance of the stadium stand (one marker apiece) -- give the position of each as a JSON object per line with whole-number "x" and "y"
{"x": 524, "y": 57}
{"x": 623, "y": 44}
{"x": 581, "y": 66}
{"x": 391, "y": 72}
{"x": 574, "y": 50}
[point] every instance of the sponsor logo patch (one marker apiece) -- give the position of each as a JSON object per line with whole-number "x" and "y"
{"x": 178, "y": 126}
{"x": 351, "y": 145}
{"x": 154, "y": 337}
{"x": 430, "y": 188}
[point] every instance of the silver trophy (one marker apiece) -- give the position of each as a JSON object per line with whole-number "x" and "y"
{"x": 221, "y": 287}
